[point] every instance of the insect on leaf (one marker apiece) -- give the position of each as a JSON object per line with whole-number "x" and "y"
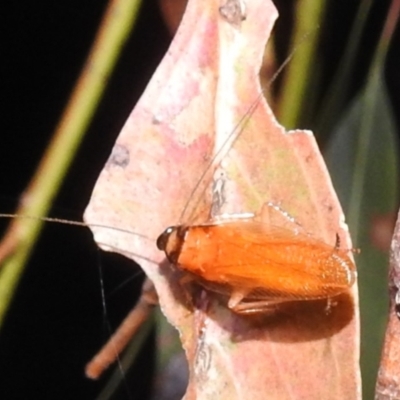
{"x": 203, "y": 105}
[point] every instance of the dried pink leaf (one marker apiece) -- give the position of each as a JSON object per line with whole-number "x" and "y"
{"x": 187, "y": 117}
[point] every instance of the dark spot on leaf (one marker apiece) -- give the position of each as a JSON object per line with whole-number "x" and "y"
{"x": 119, "y": 156}
{"x": 233, "y": 11}
{"x": 156, "y": 120}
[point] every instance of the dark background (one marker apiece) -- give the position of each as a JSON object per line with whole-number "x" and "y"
{"x": 56, "y": 323}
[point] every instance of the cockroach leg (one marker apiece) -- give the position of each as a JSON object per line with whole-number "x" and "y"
{"x": 273, "y": 214}
{"x": 337, "y": 243}
{"x": 236, "y": 298}
{"x": 185, "y": 282}
{"x": 337, "y": 246}
{"x": 232, "y": 217}
{"x": 257, "y": 307}
{"x": 118, "y": 341}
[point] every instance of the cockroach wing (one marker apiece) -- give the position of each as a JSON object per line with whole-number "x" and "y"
{"x": 266, "y": 261}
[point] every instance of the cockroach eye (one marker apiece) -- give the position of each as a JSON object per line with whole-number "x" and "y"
{"x": 164, "y": 237}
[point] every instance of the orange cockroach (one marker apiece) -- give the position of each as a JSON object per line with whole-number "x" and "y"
{"x": 257, "y": 265}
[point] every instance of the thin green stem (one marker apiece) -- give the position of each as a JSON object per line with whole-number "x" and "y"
{"x": 309, "y": 14}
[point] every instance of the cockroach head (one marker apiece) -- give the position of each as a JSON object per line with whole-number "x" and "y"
{"x": 171, "y": 241}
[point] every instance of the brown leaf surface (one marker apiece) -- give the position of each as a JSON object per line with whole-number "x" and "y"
{"x": 388, "y": 383}
{"x": 206, "y": 83}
